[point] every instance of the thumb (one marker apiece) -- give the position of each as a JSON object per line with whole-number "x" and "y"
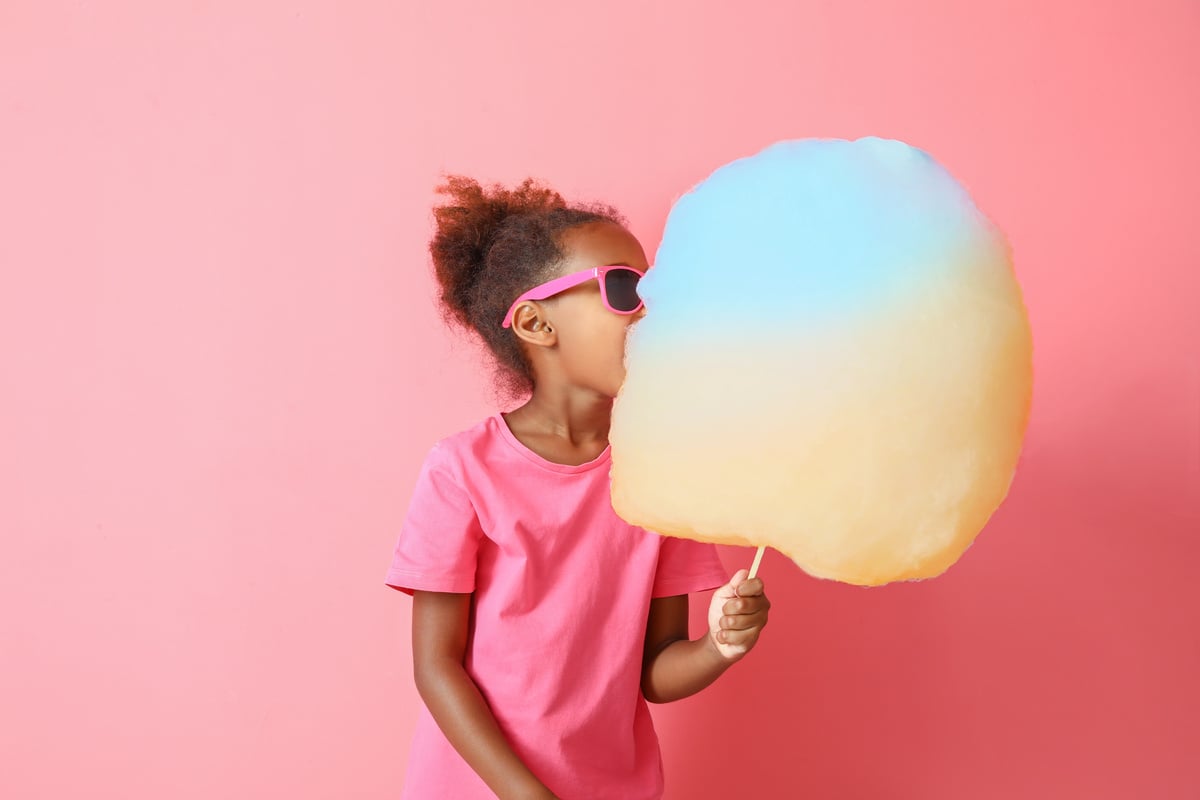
{"x": 729, "y": 590}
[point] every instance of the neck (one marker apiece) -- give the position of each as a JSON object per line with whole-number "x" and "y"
{"x": 577, "y": 417}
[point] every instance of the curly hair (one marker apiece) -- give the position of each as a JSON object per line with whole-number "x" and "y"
{"x": 491, "y": 245}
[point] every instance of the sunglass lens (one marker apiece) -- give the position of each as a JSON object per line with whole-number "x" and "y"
{"x": 621, "y": 287}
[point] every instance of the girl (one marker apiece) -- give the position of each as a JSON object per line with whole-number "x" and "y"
{"x": 542, "y": 622}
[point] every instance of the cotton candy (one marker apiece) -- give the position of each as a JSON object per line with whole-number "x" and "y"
{"x": 836, "y": 362}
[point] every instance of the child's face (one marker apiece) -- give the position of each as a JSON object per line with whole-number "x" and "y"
{"x": 591, "y": 339}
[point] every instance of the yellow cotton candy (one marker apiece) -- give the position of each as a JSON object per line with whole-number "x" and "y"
{"x": 839, "y": 369}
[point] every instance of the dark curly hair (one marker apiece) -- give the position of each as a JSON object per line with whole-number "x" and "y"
{"x": 491, "y": 245}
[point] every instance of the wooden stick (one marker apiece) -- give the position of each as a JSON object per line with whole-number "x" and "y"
{"x": 757, "y": 560}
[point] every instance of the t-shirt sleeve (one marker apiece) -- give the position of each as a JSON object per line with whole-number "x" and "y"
{"x": 439, "y": 539}
{"x": 687, "y": 566}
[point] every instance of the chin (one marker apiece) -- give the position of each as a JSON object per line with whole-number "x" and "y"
{"x": 607, "y": 391}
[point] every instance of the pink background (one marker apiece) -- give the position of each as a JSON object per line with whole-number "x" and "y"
{"x": 221, "y": 367}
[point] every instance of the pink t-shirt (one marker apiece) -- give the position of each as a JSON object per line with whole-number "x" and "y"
{"x": 562, "y": 588}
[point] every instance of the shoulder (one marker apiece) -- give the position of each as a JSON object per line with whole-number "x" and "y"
{"x": 458, "y": 453}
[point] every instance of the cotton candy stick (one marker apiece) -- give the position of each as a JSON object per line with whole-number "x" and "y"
{"x": 757, "y": 560}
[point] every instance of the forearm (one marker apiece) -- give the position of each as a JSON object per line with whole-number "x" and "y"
{"x": 682, "y": 668}
{"x": 464, "y": 717}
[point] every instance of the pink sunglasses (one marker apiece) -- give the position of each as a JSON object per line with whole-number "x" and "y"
{"x": 618, "y": 289}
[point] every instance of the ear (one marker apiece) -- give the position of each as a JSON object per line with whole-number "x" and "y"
{"x": 532, "y": 325}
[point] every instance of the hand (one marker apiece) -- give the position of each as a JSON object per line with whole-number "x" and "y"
{"x": 736, "y": 615}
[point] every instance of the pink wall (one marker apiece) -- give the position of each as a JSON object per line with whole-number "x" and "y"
{"x": 221, "y": 368}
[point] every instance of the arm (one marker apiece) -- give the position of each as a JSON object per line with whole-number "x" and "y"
{"x": 674, "y": 667}
{"x": 439, "y": 642}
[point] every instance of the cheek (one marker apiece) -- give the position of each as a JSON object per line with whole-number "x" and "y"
{"x": 608, "y": 349}
{"x": 601, "y": 356}
{"x": 596, "y": 344}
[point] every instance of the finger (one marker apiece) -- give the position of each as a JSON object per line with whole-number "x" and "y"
{"x": 743, "y": 622}
{"x": 749, "y": 588}
{"x": 745, "y": 605}
{"x": 729, "y": 588}
{"x": 744, "y": 639}
{"x": 734, "y": 607}
{"x": 725, "y": 637}
{"x": 740, "y": 620}
{"x": 738, "y": 578}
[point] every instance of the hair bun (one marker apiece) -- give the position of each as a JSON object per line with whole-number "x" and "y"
{"x": 468, "y": 224}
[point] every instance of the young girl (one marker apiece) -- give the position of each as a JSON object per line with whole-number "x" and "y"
{"x": 542, "y": 622}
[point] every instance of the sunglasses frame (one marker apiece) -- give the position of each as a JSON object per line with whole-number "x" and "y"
{"x": 551, "y": 288}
